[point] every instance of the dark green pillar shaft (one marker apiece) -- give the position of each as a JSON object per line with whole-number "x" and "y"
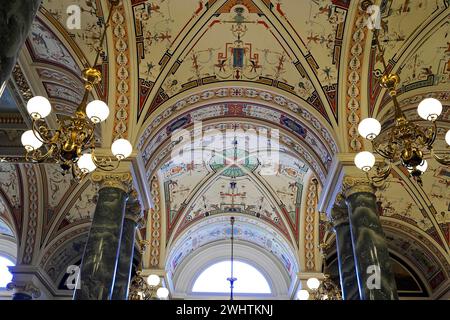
{"x": 375, "y": 278}
{"x": 16, "y": 17}
{"x": 99, "y": 263}
{"x": 344, "y": 247}
{"x": 125, "y": 263}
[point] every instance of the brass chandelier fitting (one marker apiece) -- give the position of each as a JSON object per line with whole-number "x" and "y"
{"x": 405, "y": 142}
{"x": 72, "y": 145}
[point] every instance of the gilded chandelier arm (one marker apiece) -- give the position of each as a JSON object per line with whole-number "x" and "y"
{"x": 42, "y": 132}
{"x": 37, "y": 156}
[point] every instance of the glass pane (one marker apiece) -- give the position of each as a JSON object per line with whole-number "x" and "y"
{"x": 214, "y": 279}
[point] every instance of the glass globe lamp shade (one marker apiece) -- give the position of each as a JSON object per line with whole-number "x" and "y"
{"x": 365, "y": 160}
{"x": 429, "y": 109}
{"x": 86, "y": 164}
{"x": 30, "y": 141}
{"x": 447, "y": 137}
{"x": 162, "y": 293}
{"x": 313, "y": 283}
{"x": 121, "y": 149}
{"x": 39, "y": 107}
{"x": 369, "y": 128}
{"x": 153, "y": 280}
{"x": 97, "y": 111}
{"x": 303, "y": 295}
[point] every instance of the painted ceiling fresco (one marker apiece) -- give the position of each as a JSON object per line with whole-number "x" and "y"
{"x": 242, "y": 51}
{"x": 233, "y": 179}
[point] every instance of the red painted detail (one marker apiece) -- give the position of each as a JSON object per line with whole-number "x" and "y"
{"x": 263, "y": 23}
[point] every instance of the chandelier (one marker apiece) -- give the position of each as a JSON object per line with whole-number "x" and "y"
{"x": 405, "y": 142}
{"x": 72, "y": 145}
{"x": 149, "y": 288}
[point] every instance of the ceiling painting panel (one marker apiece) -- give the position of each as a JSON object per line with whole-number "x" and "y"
{"x": 319, "y": 30}
{"x": 218, "y": 228}
{"x": 234, "y": 46}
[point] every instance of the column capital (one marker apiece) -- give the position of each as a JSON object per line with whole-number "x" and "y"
{"x": 339, "y": 212}
{"x": 27, "y": 288}
{"x": 121, "y": 180}
{"x": 356, "y": 184}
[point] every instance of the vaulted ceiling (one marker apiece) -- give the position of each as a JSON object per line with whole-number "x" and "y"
{"x": 306, "y": 68}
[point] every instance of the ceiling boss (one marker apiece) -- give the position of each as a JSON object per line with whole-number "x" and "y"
{"x": 72, "y": 145}
{"x": 405, "y": 142}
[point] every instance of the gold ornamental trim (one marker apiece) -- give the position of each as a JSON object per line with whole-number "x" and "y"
{"x": 339, "y": 211}
{"x": 352, "y": 185}
{"x": 113, "y": 180}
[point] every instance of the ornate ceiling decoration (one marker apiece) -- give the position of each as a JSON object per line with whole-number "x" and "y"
{"x": 311, "y": 73}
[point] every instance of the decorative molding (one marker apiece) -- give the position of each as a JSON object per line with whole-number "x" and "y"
{"x": 356, "y": 50}
{"x": 352, "y": 185}
{"x": 21, "y": 83}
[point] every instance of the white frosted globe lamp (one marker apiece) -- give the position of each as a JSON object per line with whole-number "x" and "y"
{"x": 303, "y": 295}
{"x": 365, "y": 160}
{"x": 369, "y": 128}
{"x": 39, "y": 107}
{"x": 423, "y": 166}
{"x": 153, "y": 280}
{"x": 162, "y": 293}
{"x": 313, "y": 283}
{"x": 86, "y": 164}
{"x": 447, "y": 137}
{"x": 97, "y": 111}
{"x": 121, "y": 149}
{"x": 30, "y": 141}
{"x": 429, "y": 109}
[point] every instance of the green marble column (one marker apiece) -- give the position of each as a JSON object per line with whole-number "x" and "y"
{"x": 125, "y": 263}
{"x": 98, "y": 267}
{"x": 373, "y": 264}
{"x": 346, "y": 260}
{"x": 16, "y": 17}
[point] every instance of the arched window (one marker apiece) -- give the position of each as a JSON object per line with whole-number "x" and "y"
{"x": 214, "y": 279}
{"x": 5, "y": 275}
